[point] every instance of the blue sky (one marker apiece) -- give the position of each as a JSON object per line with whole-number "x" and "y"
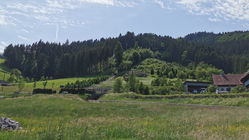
{"x": 28, "y": 21}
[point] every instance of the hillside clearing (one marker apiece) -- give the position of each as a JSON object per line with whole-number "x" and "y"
{"x": 53, "y": 84}
{"x": 4, "y": 71}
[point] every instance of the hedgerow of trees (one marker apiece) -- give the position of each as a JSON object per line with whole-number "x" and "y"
{"x": 85, "y": 83}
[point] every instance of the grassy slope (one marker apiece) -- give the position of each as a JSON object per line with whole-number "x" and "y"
{"x": 4, "y": 71}
{"x": 59, "y": 117}
{"x": 29, "y": 86}
{"x": 57, "y": 83}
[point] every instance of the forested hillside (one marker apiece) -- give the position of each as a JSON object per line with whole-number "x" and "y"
{"x": 227, "y": 51}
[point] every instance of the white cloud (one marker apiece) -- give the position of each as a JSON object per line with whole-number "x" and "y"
{"x": 191, "y": 2}
{"x": 2, "y": 46}
{"x": 3, "y": 20}
{"x": 160, "y": 3}
{"x": 72, "y": 4}
{"x": 33, "y": 8}
{"x": 52, "y": 11}
{"x": 4, "y": 43}
{"x": 3, "y": 17}
{"x": 122, "y": 3}
{"x": 214, "y": 19}
{"x": 23, "y": 38}
{"x": 25, "y": 30}
{"x": 43, "y": 18}
{"x": 219, "y": 9}
{"x": 105, "y": 2}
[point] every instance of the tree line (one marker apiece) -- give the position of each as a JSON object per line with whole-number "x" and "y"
{"x": 92, "y": 57}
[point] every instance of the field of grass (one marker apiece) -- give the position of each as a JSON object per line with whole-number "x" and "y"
{"x": 4, "y": 71}
{"x": 57, "y": 82}
{"x": 49, "y": 117}
{"x": 106, "y": 84}
{"x": 29, "y": 86}
{"x": 239, "y": 101}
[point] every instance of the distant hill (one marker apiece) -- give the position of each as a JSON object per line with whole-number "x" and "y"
{"x": 212, "y": 38}
{"x": 226, "y": 51}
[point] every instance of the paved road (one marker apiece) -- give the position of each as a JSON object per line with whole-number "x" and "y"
{"x": 171, "y": 104}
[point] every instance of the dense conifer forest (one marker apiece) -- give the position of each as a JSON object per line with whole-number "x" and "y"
{"x": 226, "y": 51}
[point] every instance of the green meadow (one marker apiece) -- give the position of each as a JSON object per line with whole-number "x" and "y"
{"x": 4, "y": 71}
{"x": 50, "y": 117}
{"x": 237, "y": 101}
{"x": 52, "y": 84}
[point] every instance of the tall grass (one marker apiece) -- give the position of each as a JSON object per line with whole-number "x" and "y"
{"x": 45, "y": 117}
{"x": 235, "y": 101}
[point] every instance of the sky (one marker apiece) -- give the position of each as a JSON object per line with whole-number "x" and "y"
{"x": 28, "y": 21}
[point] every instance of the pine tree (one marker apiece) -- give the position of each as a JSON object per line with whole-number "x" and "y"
{"x": 132, "y": 82}
{"x": 146, "y": 90}
{"x": 118, "y": 86}
{"x": 118, "y": 53}
{"x": 152, "y": 72}
{"x": 141, "y": 88}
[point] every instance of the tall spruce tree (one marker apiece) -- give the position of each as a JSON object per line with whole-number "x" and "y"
{"x": 118, "y": 53}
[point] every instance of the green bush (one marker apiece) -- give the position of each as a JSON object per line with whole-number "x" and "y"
{"x": 238, "y": 89}
{"x": 43, "y": 91}
{"x": 118, "y": 85}
{"x": 161, "y": 91}
{"x": 212, "y": 88}
{"x": 85, "y": 83}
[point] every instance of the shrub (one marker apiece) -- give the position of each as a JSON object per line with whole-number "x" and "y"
{"x": 141, "y": 88}
{"x": 146, "y": 90}
{"x": 238, "y": 89}
{"x": 211, "y": 88}
{"x": 117, "y": 87}
{"x": 152, "y": 72}
{"x": 132, "y": 84}
{"x": 161, "y": 91}
{"x": 21, "y": 85}
{"x": 85, "y": 83}
{"x": 155, "y": 82}
{"x": 43, "y": 91}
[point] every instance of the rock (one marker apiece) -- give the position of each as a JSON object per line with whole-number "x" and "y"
{"x": 8, "y": 124}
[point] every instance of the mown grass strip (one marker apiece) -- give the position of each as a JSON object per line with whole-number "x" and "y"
{"x": 230, "y": 95}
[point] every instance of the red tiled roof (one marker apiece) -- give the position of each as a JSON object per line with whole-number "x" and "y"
{"x": 227, "y": 79}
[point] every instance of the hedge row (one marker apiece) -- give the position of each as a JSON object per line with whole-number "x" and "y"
{"x": 75, "y": 91}
{"x": 44, "y": 91}
{"x": 85, "y": 83}
{"x": 90, "y": 95}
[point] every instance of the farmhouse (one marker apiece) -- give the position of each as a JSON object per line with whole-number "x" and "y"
{"x": 225, "y": 82}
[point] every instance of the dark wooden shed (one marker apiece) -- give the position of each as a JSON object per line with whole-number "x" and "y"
{"x": 196, "y": 87}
